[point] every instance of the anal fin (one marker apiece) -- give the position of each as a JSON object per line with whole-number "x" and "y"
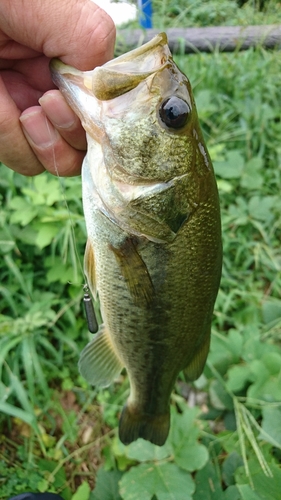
{"x": 196, "y": 366}
{"x": 99, "y": 364}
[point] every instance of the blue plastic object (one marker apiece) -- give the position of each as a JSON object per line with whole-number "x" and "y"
{"x": 145, "y": 7}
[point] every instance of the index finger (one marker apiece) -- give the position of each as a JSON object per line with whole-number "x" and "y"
{"x": 15, "y": 151}
{"x": 77, "y": 31}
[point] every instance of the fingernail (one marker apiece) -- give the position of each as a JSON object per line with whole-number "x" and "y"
{"x": 38, "y": 129}
{"x": 57, "y": 110}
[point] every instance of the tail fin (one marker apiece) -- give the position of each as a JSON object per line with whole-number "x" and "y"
{"x": 153, "y": 428}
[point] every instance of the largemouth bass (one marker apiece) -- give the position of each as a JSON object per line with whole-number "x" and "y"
{"x": 151, "y": 207}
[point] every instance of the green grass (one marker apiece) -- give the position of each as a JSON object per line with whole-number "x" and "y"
{"x": 56, "y": 433}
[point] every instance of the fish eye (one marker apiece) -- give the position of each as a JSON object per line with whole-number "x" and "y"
{"x": 174, "y": 112}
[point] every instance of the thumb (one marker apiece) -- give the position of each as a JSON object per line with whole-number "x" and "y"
{"x": 77, "y": 31}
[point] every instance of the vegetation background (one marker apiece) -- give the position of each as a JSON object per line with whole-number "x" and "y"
{"x": 57, "y": 433}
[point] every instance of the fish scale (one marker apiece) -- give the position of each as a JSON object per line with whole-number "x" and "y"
{"x": 151, "y": 207}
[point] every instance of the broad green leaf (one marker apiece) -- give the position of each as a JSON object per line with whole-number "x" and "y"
{"x": 206, "y": 106}
{"x": 265, "y": 385}
{"x": 24, "y": 212}
{"x": 272, "y": 361}
{"x": 271, "y": 310}
{"x": 230, "y": 442}
{"x": 188, "y": 453}
{"x": 166, "y": 481}
{"x": 231, "y": 167}
{"x": 48, "y": 466}
{"x": 219, "y": 397}
{"x": 60, "y": 272}
{"x": 45, "y": 234}
{"x": 208, "y": 484}
{"x": 251, "y": 178}
{"x": 224, "y": 186}
{"x": 83, "y": 492}
{"x": 271, "y": 425}
{"x": 261, "y": 207}
{"x": 225, "y": 350}
{"x": 107, "y": 487}
{"x": 51, "y": 188}
{"x": 28, "y": 235}
{"x": 267, "y": 488}
{"x": 238, "y": 211}
{"x": 191, "y": 456}
{"x": 229, "y": 466}
{"x": 120, "y": 451}
{"x": 216, "y": 150}
{"x": 6, "y": 243}
{"x": 254, "y": 349}
{"x": 237, "y": 377}
{"x": 35, "y": 197}
{"x": 232, "y": 493}
{"x": 144, "y": 451}
{"x": 43, "y": 485}
{"x": 259, "y": 371}
{"x": 183, "y": 425}
{"x": 247, "y": 493}
{"x": 44, "y": 190}
{"x": 235, "y": 340}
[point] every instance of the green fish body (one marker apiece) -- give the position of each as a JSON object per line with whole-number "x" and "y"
{"x": 151, "y": 207}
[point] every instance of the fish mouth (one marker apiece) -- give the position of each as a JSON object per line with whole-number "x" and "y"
{"x": 125, "y": 72}
{"x": 119, "y": 75}
{"x": 147, "y": 58}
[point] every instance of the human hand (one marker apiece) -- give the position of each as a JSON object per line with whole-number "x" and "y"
{"x": 32, "y": 137}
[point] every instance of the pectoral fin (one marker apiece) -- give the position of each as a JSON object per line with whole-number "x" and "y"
{"x": 134, "y": 272}
{"x": 195, "y": 368}
{"x": 99, "y": 363}
{"x": 89, "y": 267}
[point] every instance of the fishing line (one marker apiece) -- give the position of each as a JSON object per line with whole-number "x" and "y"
{"x": 87, "y": 298}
